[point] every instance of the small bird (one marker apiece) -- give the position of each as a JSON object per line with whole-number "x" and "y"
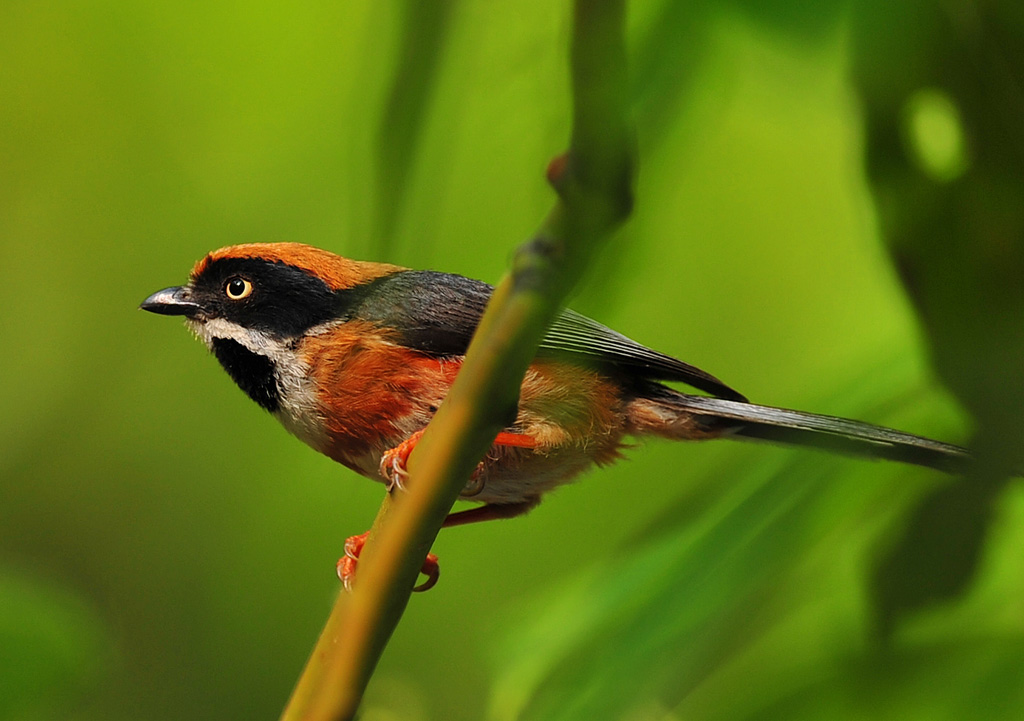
{"x": 355, "y": 357}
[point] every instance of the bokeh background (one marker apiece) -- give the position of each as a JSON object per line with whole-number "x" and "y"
{"x": 167, "y": 551}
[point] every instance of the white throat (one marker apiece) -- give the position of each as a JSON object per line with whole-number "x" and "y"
{"x": 299, "y": 410}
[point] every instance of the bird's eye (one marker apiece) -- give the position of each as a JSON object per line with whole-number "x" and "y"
{"x": 238, "y": 288}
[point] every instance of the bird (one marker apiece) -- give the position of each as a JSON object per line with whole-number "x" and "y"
{"x": 355, "y": 357}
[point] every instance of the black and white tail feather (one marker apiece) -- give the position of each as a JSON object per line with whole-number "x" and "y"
{"x": 740, "y": 419}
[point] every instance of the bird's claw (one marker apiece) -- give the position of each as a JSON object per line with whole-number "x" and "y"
{"x": 432, "y": 570}
{"x": 393, "y": 463}
{"x": 475, "y": 485}
{"x": 392, "y": 467}
{"x": 354, "y": 546}
{"x": 347, "y": 563}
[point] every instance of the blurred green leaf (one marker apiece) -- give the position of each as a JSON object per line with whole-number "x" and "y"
{"x": 942, "y": 88}
{"x": 936, "y": 135}
{"x": 778, "y": 550}
{"x": 975, "y": 678}
{"x": 424, "y": 29}
{"x": 937, "y": 554}
{"x": 136, "y": 137}
{"x": 806, "y": 19}
{"x": 53, "y": 648}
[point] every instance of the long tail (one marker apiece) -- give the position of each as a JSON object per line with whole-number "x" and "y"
{"x": 728, "y": 418}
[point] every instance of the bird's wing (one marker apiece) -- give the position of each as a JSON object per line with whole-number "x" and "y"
{"x": 437, "y": 313}
{"x": 577, "y": 334}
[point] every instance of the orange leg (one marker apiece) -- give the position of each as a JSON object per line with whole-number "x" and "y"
{"x": 393, "y": 462}
{"x": 392, "y": 467}
{"x": 517, "y": 440}
{"x": 354, "y": 546}
{"x": 489, "y": 512}
{"x": 431, "y": 568}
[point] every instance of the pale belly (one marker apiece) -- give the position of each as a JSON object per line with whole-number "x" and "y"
{"x": 505, "y": 476}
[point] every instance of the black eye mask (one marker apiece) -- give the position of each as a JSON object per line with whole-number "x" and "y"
{"x": 285, "y": 301}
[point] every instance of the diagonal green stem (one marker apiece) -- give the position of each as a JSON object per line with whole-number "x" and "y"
{"x": 594, "y": 182}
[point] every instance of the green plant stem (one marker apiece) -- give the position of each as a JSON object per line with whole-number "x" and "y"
{"x": 594, "y": 186}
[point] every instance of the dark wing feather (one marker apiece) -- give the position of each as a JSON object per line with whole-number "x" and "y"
{"x": 579, "y": 335}
{"x": 437, "y": 313}
{"x": 432, "y": 312}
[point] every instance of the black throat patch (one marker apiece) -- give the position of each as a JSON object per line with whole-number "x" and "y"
{"x": 253, "y": 373}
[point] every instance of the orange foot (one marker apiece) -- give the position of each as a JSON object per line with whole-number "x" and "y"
{"x": 354, "y": 546}
{"x": 393, "y": 462}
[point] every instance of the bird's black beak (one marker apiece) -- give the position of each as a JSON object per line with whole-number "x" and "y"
{"x": 172, "y": 301}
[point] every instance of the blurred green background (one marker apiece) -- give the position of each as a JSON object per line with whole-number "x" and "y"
{"x": 167, "y": 551}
